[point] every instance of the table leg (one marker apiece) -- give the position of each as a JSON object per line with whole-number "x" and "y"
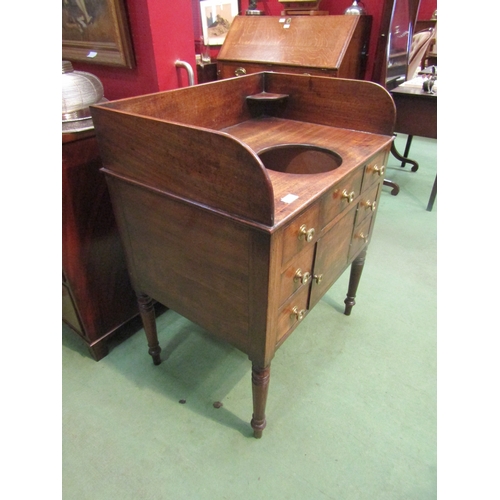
{"x": 407, "y": 150}
{"x": 147, "y": 312}
{"x": 393, "y": 185}
{"x": 432, "y": 197}
{"x": 404, "y": 159}
{"x": 260, "y": 386}
{"x": 356, "y": 270}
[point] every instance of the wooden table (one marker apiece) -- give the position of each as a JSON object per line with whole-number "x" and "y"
{"x": 241, "y": 211}
{"x": 416, "y": 114}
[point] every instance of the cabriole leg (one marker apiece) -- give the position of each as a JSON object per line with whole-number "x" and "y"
{"x": 356, "y": 270}
{"x": 260, "y": 385}
{"x": 147, "y": 312}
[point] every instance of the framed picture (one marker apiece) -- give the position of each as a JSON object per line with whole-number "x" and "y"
{"x": 216, "y": 19}
{"x": 96, "y": 31}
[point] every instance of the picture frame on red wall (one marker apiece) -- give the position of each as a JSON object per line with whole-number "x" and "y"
{"x": 96, "y": 31}
{"x": 216, "y": 19}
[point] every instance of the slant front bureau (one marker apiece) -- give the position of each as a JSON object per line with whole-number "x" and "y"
{"x": 240, "y": 202}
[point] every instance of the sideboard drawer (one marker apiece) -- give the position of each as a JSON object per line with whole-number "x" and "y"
{"x": 374, "y": 170}
{"x": 292, "y": 312}
{"x": 368, "y": 203}
{"x": 340, "y": 197}
{"x": 301, "y": 233}
{"x": 360, "y": 237}
{"x": 298, "y": 273}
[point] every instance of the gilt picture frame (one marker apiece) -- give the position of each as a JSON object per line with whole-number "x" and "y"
{"x": 96, "y": 31}
{"x": 216, "y": 19}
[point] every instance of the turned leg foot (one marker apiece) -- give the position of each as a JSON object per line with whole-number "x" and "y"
{"x": 260, "y": 385}
{"x": 356, "y": 270}
{"x": 147, "y": 312}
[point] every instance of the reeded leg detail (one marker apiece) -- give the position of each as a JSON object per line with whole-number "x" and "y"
{"x": 147, "y": 312}
{"x": 356, "y": 270}
{"x": 260, "y": 386}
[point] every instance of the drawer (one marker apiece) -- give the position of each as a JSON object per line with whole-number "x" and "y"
{"x": 374, "y": 170}
{"x": 298, "y": 273}
{"x": 340, "y": 197}
{"x": 301, "y": 233}
{"x": 292, "y": 312}
{"x": 368, "y": 203}
{"x": 360, "y": 237}
{"x": 232, "y": 69}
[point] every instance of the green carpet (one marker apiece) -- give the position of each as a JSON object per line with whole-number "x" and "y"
{"x": 352, "y": 400}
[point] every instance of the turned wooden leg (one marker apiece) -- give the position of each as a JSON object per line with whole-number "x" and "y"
{"x": 260, "y": 386}
{"x": 147, "y": 311}
{"x": 356, "y": 270}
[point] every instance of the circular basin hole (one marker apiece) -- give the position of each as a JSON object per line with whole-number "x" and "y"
{"x": 300, "y": 159}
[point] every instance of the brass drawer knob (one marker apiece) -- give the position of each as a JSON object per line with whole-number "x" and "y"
{"x": 348, "y": 196}
{"x": 318, "y": 278}
{"x": 297, "y": 313}
{"x": 303, "y": 278}
{"x": 370, "y": 205}
{"x": 306, "y": 234}
{"x": 240, "y": 71}
{"x": 379, "y": 170}
{"x": 362, "y": 236}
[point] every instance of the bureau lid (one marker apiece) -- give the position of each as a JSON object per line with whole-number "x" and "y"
{"x": 309, "y": 41}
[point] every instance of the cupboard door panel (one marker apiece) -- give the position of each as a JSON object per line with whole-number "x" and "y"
{"x": 331, "y": 256}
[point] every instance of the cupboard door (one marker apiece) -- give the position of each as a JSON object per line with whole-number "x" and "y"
{"x": 331, "y": 256}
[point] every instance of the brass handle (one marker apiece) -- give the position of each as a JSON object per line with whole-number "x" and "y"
{"x": 379, "y": 170}
{"x": 348, "y": 196}
{"x": 318, "y": 278}
{"x": 362, "y": 236}
{"x": 297, "y": 313}
{"x": 306, "y": 234}
{"x": 371, "y": 205}
{"x": 240, "y": 71}
{"x": 303, "y": 278}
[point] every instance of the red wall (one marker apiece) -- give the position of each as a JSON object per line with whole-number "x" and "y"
{"x": 161, "y": 32}
{"x": 164, "y": 31}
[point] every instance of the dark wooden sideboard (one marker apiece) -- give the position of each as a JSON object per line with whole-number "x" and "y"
{"x": 241, "y": 212}
{"x": 97, "y": 297}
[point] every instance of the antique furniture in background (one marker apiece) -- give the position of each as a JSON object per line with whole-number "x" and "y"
{"x": 97, "y": 297}
{"x": 416, "y": 115}
{"x": 416, "y": 110}
{"x": 241, "y": 212}
{"x": 317, "y": 45}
